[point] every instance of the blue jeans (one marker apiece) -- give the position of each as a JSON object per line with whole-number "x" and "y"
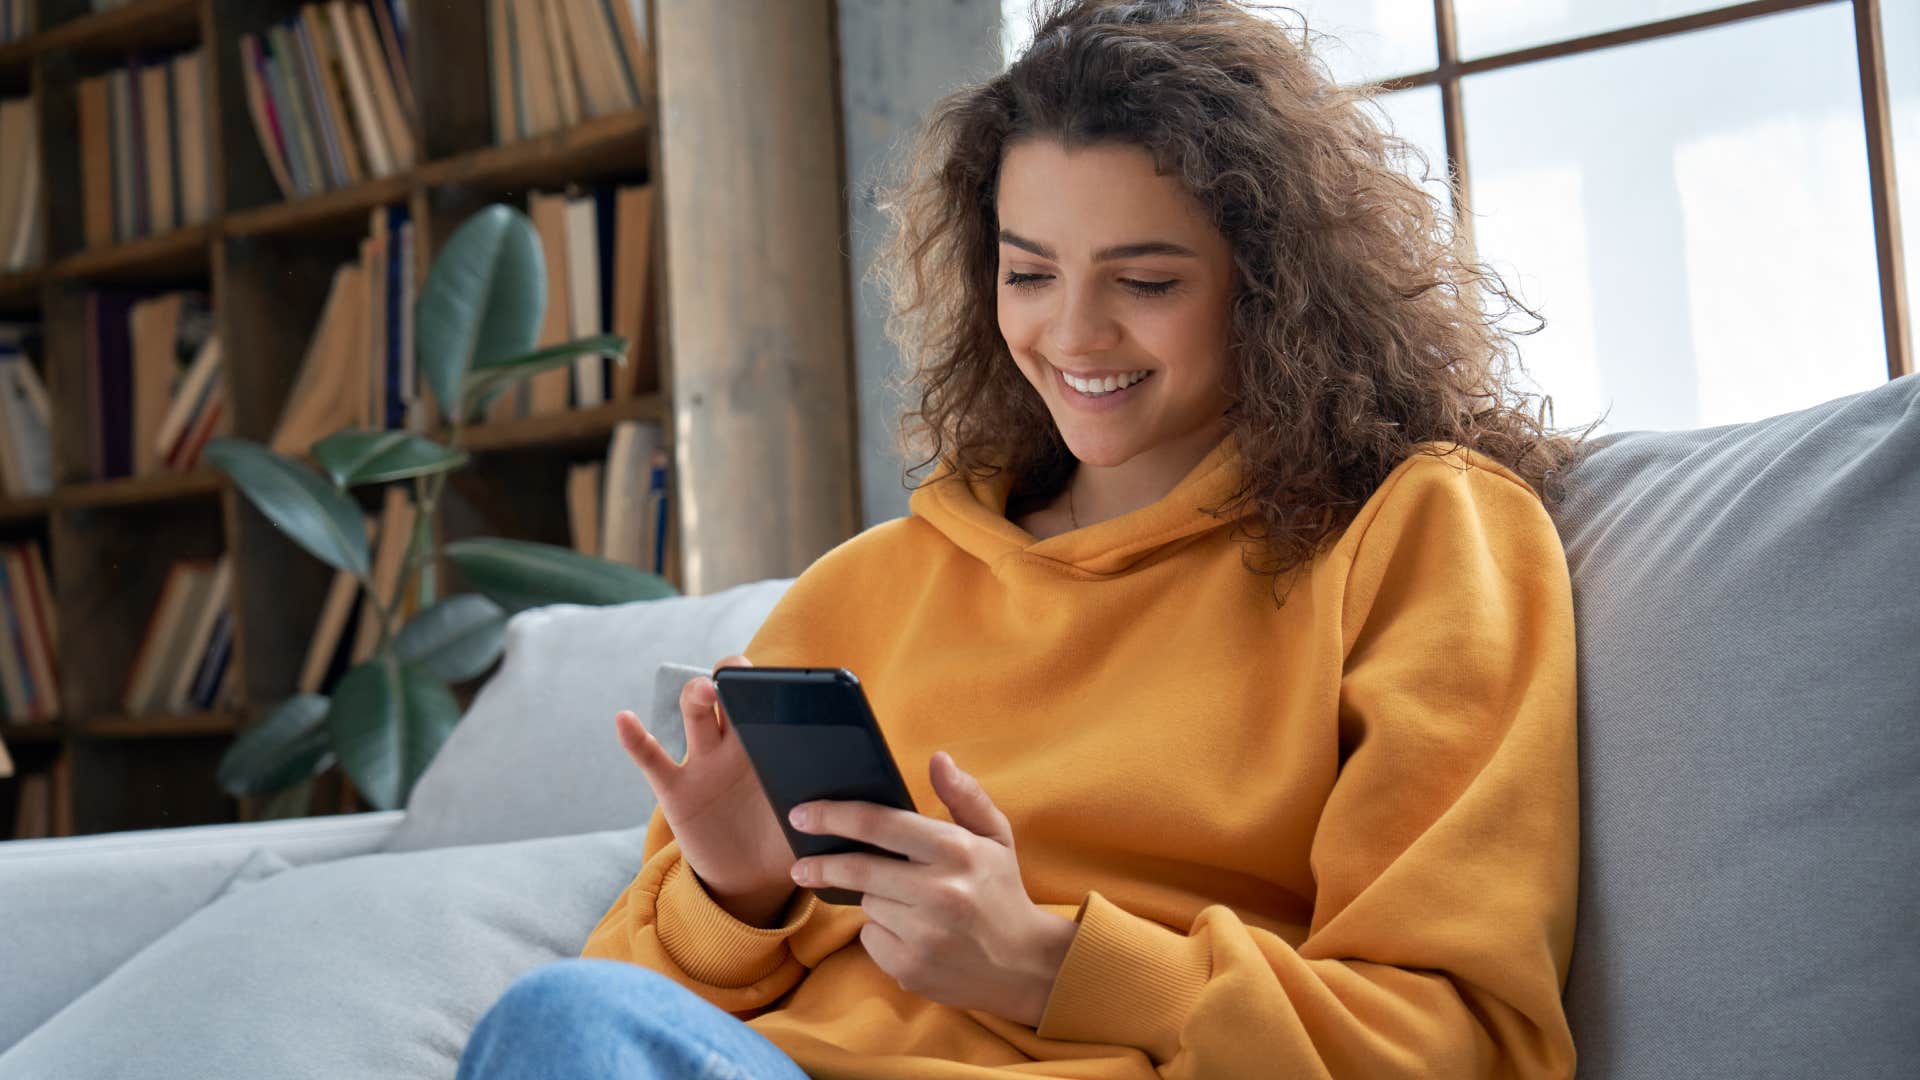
{"x": 605, "y": 1018}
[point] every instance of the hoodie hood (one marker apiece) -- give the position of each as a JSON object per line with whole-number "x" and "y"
{"x": 972, "y": 513}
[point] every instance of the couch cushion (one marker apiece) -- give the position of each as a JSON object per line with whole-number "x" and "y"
{"x": 376, "y": 965}
{"x": 1749, "y": 642}
{"x": 537, "y": 755}
{"x": 75, "y": 908}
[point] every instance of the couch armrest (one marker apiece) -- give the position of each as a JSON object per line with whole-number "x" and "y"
{"x": 74, "y": 909}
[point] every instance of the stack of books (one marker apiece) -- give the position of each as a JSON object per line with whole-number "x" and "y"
{"x": 22, "y": 237}
{"x": 16, "y": 22}
{"x": 152, "y": 376}
{"x": 184, "y": 660}
{"x": 557, "y": 62}
{"x": 29, "y": 680}
{"x": 26, "y": 444}
{"x": 359, "y": 369}
{"x": 143, "y": 148}
{"x": 331, "y": 100}
{"x": 617, "y": 509}
{"x": 598, "y": 247}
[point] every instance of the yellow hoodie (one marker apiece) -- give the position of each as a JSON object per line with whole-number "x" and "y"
{"x": 1334, "y": 839}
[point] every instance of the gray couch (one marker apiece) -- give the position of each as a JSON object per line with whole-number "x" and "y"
{"x": 1748, "y": 604}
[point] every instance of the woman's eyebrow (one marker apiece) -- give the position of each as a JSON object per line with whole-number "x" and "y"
{"x": 1121, "y": 251}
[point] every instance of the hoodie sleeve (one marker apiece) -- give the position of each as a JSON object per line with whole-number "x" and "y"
{"x": 666, "y": 920}
{"x": 1446, "y": 856}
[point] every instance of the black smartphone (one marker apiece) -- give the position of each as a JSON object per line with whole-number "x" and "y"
{"x": 810, "y": 734}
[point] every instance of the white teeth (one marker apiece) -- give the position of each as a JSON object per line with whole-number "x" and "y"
{"x": 1106, "y": 385}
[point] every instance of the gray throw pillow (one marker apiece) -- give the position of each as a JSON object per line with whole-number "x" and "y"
{"x": 376, "y": 965}
{"x": 537, "y": 755}
{"x": 1747, "y": 606}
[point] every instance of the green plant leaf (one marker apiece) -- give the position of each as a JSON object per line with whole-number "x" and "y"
{"x": 318, "y": 517}
{"x": 483, "y": 300}
{"x": 487, "y": 381}
{"x": 286, "y": 746}
{"x": 455, "y": 639}
{"x": 388, "y": 721}
{"x": 354, "y": 457}
{"x": 520, "y": 574}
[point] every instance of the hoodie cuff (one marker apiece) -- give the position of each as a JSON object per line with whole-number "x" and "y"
{"x": 1127, "y": 981}
{"x": 712, "y": 946}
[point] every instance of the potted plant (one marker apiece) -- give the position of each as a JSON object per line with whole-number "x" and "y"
{"x": 476, "y": 323}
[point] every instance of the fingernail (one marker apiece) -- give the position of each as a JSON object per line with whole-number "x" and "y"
{"x": 801, "y": 816}
{"x": 802, "y": 873}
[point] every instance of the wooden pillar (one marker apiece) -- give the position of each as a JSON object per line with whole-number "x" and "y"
{"x": 758, "y": 362}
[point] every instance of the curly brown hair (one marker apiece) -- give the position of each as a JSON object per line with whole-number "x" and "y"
{"x": 1356, "y": 331}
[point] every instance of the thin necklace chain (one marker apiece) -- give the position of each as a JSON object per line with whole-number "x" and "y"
{"x": 1071, "y": 516}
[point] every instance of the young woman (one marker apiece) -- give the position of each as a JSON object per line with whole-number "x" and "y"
{"x": 1231, "y": 631}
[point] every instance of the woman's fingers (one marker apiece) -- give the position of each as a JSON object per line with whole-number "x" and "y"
{"x": 720, "y": 718}
{"x": 643, "y": 749}
{"x": 698, "y": 703}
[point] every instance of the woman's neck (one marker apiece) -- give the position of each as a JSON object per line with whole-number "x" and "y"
{"x": 1098, "y": 493}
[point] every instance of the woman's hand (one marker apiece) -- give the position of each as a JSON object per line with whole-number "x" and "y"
{"x": 727, "y": 830}
{"x": 954, "y": 924}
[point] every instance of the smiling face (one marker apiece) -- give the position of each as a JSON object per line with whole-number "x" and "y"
{"x": 1108, "y": 270}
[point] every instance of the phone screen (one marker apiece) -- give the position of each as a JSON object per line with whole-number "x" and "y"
{"x": 811, "y": 734}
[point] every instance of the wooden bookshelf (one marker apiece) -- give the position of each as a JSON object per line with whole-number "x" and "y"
{"x": 158, "y": 726}
{"x": 266, "y": 263}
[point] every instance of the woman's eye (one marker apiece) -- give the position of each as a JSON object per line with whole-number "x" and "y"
{"x": 1143, "y": 288}
{"x": 1150, "y": 288}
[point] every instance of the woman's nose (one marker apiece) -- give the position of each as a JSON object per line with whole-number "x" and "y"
{"x": 1082, "y": 326}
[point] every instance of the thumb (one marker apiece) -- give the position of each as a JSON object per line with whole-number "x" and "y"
{"x": 972, "y": 808}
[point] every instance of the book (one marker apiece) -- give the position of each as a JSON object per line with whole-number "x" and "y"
{"x": 391, "y": 18}
{"x": 631, "y": 19}
{"x": 583, "y": 295}
{"x": 191, "y": 396}
{"x": 538, "y": 78}
{"x": 204, "y": 690}
{"x": 266, "y": 124}
{"x": 583, "y": 506}
{"x": 195, "y": 190}
{"x": 16, "y": 135}
{"x": 605, "y": 86}
{"x": 506, "y": 121}
{"x": 161, "y": 645}
{"x": 547, "y": 391}
{"x": 360, "y": 90}
{"x": 26, "y": 451}
{"x": 317, "y": 39}
{"x": 328, "y": 631}
{"x": 657, "y": 498}
{"x": 289, "y": 94}
{"x": 176, "y": 694}
{"x": 155, "y": 97}
{"x": 396, "y": 125}
{"x": 397, "y": 518}
{"x": 16, "y": 691}
{"x": 329, "y": 392}
{"x": 305, "y": 65}
{"x": 567, "y": 65}
{"x": 92, "y": 103}
{"x": 27, "y": 226}
{"x": 19, "y": 631}
{"x": 633, "y": 291}
{"x": 37, "y": 612}
{"x": 624, "y": 532}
